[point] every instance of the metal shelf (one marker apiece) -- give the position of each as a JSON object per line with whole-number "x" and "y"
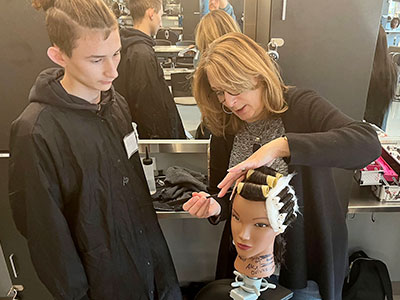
{"x": 362, "y": 200}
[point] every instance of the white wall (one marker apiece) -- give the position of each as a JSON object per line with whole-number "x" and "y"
{"x": 379, "y": 239}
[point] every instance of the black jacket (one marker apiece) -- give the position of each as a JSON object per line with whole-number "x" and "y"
{"x": 83, "y": 206}
{"x": 320, "y": 137}
{"x": 141, "y": 82}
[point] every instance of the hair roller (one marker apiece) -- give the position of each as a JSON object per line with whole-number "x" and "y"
{"x": 252, "y": 191}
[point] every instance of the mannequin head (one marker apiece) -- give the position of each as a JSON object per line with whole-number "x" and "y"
{"x": 264, "y": 205}
{"x": 251, "y": 230}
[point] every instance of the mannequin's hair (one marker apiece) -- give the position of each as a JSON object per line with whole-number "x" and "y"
{"x": 256, "y": 187}
{"x": 138, "y": 8}
{"x": 212, "y": 26}
{"x": 65, "y": 20}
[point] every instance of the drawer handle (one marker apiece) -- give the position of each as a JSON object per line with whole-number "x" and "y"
{"x": 11, "y": 258}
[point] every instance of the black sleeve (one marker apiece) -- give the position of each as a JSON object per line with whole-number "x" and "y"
{"x": 220, "y": 149}
{"x": 332, "y": 138}
{"x": 37, "y": 206}
{"x": 150, "y": 101}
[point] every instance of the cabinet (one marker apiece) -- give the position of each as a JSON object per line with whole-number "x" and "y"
{"x": 23, "y": 46}
{"x": 15, "y": 244}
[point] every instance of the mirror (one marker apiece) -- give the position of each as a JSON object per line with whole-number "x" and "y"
{"x": 383, "y": 101}
{"x": 179, "y": 20}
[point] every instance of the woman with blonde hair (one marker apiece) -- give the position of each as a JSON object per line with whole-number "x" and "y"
{"x": 257, "y": 120}
{"x": 212, "y": 26}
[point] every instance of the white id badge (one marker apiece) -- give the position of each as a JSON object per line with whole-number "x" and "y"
{"x": 131, "y": 142}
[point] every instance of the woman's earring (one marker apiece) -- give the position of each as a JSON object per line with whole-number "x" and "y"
{"x": 227, "y": 112}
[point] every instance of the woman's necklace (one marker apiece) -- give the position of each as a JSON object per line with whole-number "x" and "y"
{"x": 256, "y": 130}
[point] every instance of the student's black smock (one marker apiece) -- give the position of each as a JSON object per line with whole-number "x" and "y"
{"x": 141, "y": 81}
{"x": 82, "y": 205}
{"x": 320, "y": 137}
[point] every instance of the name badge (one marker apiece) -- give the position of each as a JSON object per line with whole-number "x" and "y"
{"x": 131, "y": 141}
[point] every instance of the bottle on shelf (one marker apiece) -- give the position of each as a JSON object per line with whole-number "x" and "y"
{"x": 148, "y": 167}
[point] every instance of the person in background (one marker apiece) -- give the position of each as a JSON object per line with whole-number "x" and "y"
{"x": 382, "y": 83}
{"x": 394, "y": 23}
{"x": 141, "y": 79}
{"x": 257, "y": 120}
{"x": 212, "y": 26}
{"x": 204, "y": 7}
{"x": 78, "y": 195}
{"x": 223, "y": 5}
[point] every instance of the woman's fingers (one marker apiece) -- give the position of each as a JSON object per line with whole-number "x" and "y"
{"x": 198, "y": 205}
{"x": 226, "y": 183}
{"x": 203, "y": 209}
{"x": 189, "y": 204}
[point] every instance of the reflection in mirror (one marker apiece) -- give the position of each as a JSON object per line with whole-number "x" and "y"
{"x": 175, "y": 50}
{"x": 383, "y": 100}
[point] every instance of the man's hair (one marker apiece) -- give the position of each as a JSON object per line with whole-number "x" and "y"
{"x": 212, "y": 26}
{"x": 66, "y": 18}
{"x": 138, "y": 8}
{"x": 235, "y": 60}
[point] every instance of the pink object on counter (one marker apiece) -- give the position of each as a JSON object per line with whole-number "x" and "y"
{"x": 388, "y": 171}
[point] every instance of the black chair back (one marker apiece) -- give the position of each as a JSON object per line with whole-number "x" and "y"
{"x": 161, "y": 42}
{"x": 169, "y": 35}
{"x": 181, "y": 84}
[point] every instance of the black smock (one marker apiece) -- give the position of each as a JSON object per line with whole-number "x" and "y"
{"x": 141, "y": 81}
{"x": 82, "y": 205}
{"x": 320, "y": 138}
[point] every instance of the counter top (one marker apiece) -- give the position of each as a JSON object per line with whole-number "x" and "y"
{"x": 363, "y": 200}
{"x": 169, "y": 49}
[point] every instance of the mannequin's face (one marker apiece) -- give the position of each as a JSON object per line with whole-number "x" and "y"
{"x": 251, "y": 231}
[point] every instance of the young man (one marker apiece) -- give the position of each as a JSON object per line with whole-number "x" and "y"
{"x": 77, "y": 188}
{"x": 141, "y": 80}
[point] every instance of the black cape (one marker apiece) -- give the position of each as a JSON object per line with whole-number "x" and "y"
{"x": 83, "y": 206}
{"x": 141, "y": 81}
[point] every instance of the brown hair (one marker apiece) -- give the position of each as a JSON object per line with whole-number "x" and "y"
{"x": 65, "y": 19}
{"x": 138, "y": 8}
{"x": 212, "y": 26}
{"x": 235, "y": 60}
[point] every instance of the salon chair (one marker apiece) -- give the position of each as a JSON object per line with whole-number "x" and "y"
{"x": 167, "y": 34}
{"x": 161, "y": 42}
{"x": 185, "y": 43}
{"x": 180, "y": 83}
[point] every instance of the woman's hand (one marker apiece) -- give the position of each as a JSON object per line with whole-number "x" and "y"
{"x": 264, "y": 156}
{"x": 202, "y": 207}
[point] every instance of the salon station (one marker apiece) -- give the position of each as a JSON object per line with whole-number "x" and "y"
{"x": 329, "y": 47}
